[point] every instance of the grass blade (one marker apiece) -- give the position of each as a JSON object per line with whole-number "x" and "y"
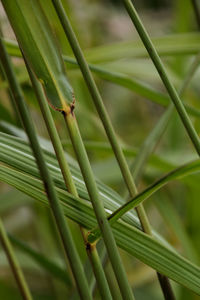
{"x": 139, "y": 87}
{"x": 47, "y": 65}
{"x": 58, "y": 91}
{"x": 69, "y": 183}
{"x": 18, "y": 274}
{"x": 180, "y": 172}
{"x": 146, "y": 248}
{"x": 65, "y": 234}
{"x": 165, "y": 285}
{"x": 163, "y": 75}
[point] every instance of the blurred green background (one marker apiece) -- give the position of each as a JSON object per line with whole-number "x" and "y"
{"x": 109, "y": 40}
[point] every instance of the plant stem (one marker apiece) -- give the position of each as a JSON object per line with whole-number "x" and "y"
{"x": 102, "y": 113}
{"x": 196, "y": 11}
{"x": 69, "y": 182}
{"x": 60, "y": 219}
{"x": 151, "y": 141}
{"x": 163, "y": 74}
{"x": 17, "y": 271}
{"x": 12, "y": 102}
{"x": 97, "y": 205}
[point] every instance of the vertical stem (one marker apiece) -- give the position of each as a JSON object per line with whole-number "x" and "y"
{"x": 103, "y": 115}
{"x": 152, "y": 139}
{"x": 60, "y": 219}
{"x": 163, "y": 74}
{"x": 19, "y": 276}
{"x": 69, "y": 182}
{"x": 166, "y": 287}
{"x": 174, "y": 97}
{"x": 12, "y": 102}
{"x": 196, "y": 11}
{"x": 97, "y": 205}
{"x": 104, "y": 289}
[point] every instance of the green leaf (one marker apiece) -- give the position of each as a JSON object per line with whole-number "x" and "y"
{"x": 16, "y": 156}
{"x": 40, "y": 49}
{"x": 139, "y": 87}
{"x": 180, "y": 172}
{"x": 168, "y": 45}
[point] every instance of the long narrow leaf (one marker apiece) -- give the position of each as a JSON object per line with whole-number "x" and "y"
{"x": 118, "y": 78}
{"x": 128, "y": 237}
{"x": 43, "y": 56}
{"x": 187, "y": 169}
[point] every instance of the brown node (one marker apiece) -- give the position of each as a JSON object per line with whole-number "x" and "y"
{"x": 88, "y": 246}
{"x": 63, "y": 112}
{"x": 72, "y": 105}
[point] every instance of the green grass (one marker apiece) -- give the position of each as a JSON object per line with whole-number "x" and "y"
{"x": 138, "y": 145}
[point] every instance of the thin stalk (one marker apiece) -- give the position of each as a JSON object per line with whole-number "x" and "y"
{"x": 60, "y": 219}
{"x": 14, "y": 264}
{"x": 12, "y": 102}
{"x": 163, "y": 74}
{"x": 91, "y": 279}
{"x": 103, "y": 114}
{"x": 98, "y": 271}
{"x": 100, "y": 107}
{"x": 121, "y": 79}
{"x": 151, "y": 142}
{"x": 97, "y": 205}
{"x": 152, "y": 139}
{"x": 69, "y": 182}
{"x": 196, "y": 11}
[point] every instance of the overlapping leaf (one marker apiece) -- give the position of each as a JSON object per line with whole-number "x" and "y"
{"x": 168, "y": 45}
{"x": 139, "y": 87}
{"x": 43, "y": 56}
{"x": 18, "y": 169}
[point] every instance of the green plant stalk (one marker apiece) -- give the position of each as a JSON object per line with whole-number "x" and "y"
{"x": 196, "y": 11}
{"x": 65, "y": 234}
{"x": 103, "y": 115}
{"x": 149, "y": 144}
{"x": 97, "y": 205}
{"x": 163, "y": 122}
{"x": 69, "y": 182}
{"x": 163, "y": 74}
{"x": 100, "y": 108}
{"x": 145, "y": 194}
{"x": 12, "y": 102}
{"x": 14, "y": 264}
{"x": 98, "y": 270}
{"x": 89, "y": 271}
{"x": 167, "y": 45}
{"x": 155, "y": 252}
{"x": 151, "y": 141}
{"x": 118, "y": 78}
